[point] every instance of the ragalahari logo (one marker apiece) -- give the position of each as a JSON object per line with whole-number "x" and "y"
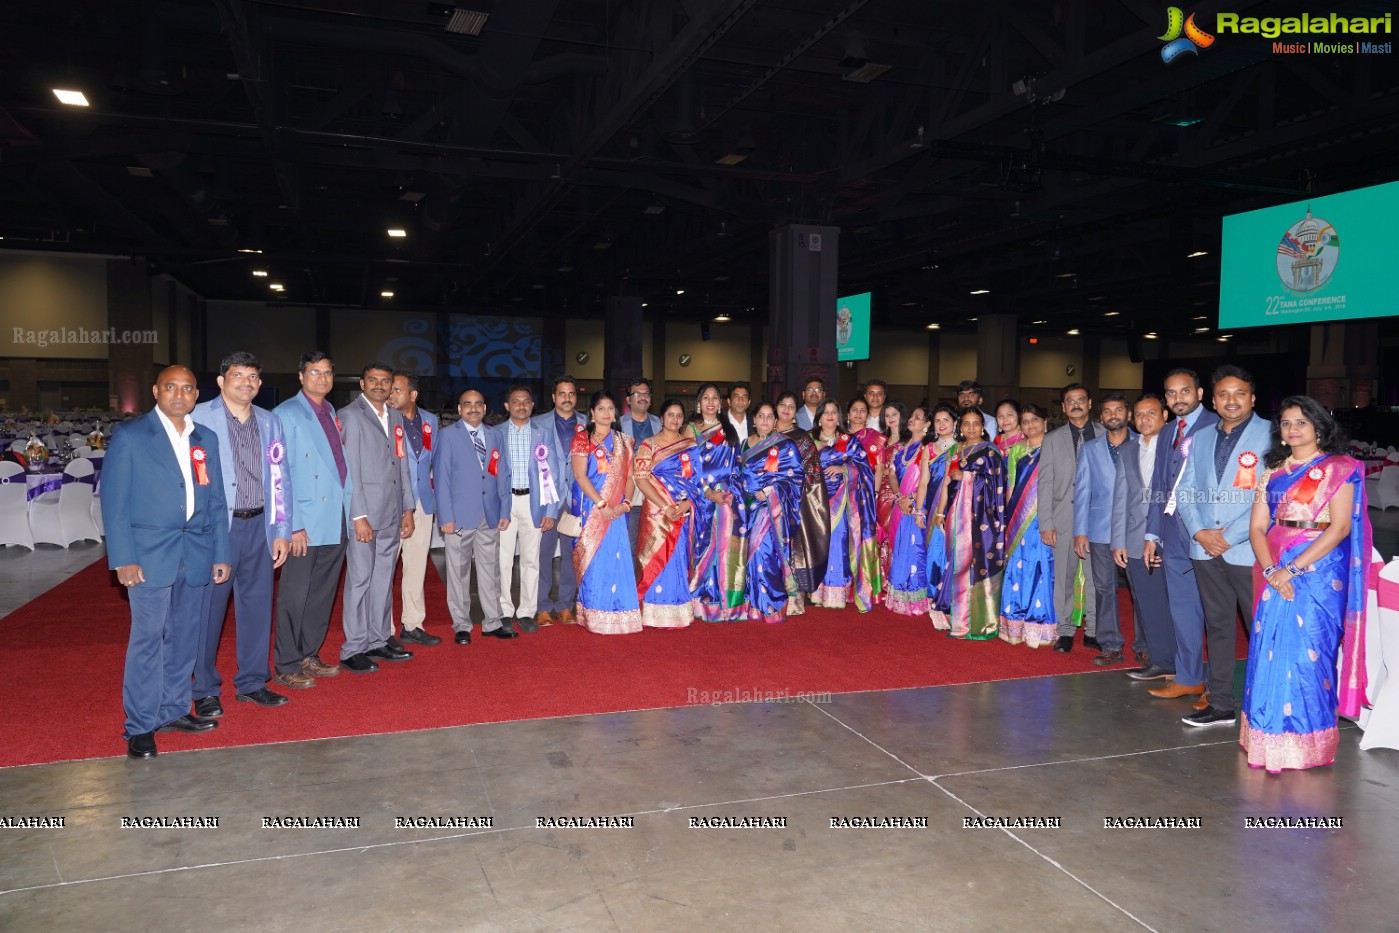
{"x": 1177, "y": 44}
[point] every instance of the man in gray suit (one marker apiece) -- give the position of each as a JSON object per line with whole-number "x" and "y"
{"x": 473, "y": 506}
{"x": 559, "y": 425}
{"x": 1155, "y": 641}
{"x": 381, "y": 509}
{"x": 1058, "y": 466}
{"x": 1093, "y": 510}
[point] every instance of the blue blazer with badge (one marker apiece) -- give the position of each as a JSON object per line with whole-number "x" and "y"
{"x": 537, "y": 436}
{"x": 560, "y": 462}
{"x": 1093, "y": 490}
{"x": 467, "y": 494}
{"x": 421, "y": 465}
{"x": 1169, "y": 464}
{"x": 1205, "y": 501}
{"x": 143, "y": 506}
{"x": 213, "y": 416}
{"x": 322, "y": 506}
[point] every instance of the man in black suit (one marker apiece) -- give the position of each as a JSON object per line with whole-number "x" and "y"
{"x": 736, "y": 422}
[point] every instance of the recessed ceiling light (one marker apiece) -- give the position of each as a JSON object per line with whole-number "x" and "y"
{"x": 1039, "y": 322}
{"x": 386, "y": 294}
{"x": 1223, "y": 337}
{"x": 1149, "y": 336}
{"x": 911, "y": 304}
{"x": 1202, "y": 330}
{"x": 722, "y": 318}
{"x": 1196, "y": 255}
{"x": 1111, "y": 313}
{"x": 680, "y": 291}
{"x": 1073, "y": 332}
{"x": 646, "y": 304}
{"x": 934, "y": 326}
{"x": 1200, "y": 317}
{"x": 971, "y": 319}
{"x": 260, "y": 273}
{"x": 276, "y": 286}
{"x": 255, "y": 251}
{"x": 982, "y": 291}
{"x": 71, "y": 98}
{"x": 1066, "y": 275}
{"x": 396, "y": 232}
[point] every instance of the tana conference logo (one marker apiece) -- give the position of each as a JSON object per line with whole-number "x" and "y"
{"x": 1182, "y": 35}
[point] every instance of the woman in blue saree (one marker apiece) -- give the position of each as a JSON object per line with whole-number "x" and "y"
{"x": 943, "y": 437}
{"x": 852, "y": 568}
{"x": 971, "y": 508}
{"x": 771, "y": 470}
{"x": 1311, "y": 536}
{"x": 1027, "y": 591}
{"x": 811, "y": 530}
{"x": 717, "y": 571}
{"x": 906, "y": 591}
{"x": 602, "y": 487}
{"x": 668, "y": 475}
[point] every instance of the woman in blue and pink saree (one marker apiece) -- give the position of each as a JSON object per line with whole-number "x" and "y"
{"x": 852, "y": 566}
{"x": 906, "y": 586}
{"x": 1311, "y": 536}
{"x": 668, "y": 474}
{"x": 771, "y": 471}
{"x": 1027, "y": 590}
{"x": 811, "y": 530}
{"x": 602, "y": 486}
{"x": 971, "y": 509}
{"x": 940, "y": 445}
{"x": 717, "y": 572}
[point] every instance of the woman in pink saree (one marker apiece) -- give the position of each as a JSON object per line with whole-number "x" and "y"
{"x": 602, "y": 485}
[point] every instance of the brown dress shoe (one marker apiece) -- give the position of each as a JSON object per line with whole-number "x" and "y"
{"x": 542, "y": 619}
{"x": 1107, "y": 658}
{"x": 1174, "y": 690}
{"x": 567, "y": 617}
{"x": 296, "y": 680}
{"x": 1202, "y": 702}
{"x": 318, "y": 668}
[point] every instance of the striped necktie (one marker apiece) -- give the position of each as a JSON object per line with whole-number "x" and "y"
{"x": 1180, "y": 433}
{"x": 480, "y": 447}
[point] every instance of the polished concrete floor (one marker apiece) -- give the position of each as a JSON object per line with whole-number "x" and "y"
{"x": 1073, "y": 750}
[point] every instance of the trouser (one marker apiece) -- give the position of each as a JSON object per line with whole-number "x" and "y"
{"x": 479, "y": 547}
{"x": 250, "y": 587}
{"x": 414, "y": 553}
{"x": 1066, "y": 564}
{"x": 165, "y": 620}
{"x": 305, "y": 595}
{"x": 1151, "y": 605}
{"x": 368, "y": 615}
{"x": 1187, "y": 613}
{"x": 1107, "y": 629}
{"x": 567, "y": 592}
{"x": 1224, "y": 589}
{"x": 523, "y": 530}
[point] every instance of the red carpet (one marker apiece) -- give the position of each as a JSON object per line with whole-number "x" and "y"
{"x": 561, "y": 671}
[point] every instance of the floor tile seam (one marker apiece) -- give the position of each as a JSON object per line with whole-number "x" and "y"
{"x": 1052, "y": 862}
{"x": 366, "y": 847}
{"x": 1071, "y": 761}
{"x": 845, "y": 725}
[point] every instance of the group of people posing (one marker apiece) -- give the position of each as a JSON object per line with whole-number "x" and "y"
{"x": 724, "y": 511}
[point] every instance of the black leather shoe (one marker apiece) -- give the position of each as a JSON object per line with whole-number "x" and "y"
{"x": 417, "y": 636}
{"x": 462, "y": 638}
{"x": 1150, "y": 672}
{"x": 141, "y": 746}
{"x": 1065, "y": 644}
{"x": 389, "y": 653}
{"x": 262, "y": 697}
{"x": 526, "y": 625}
{"x": 505, "y": 631}
{"x": 188, "y": 723}
{"x": 1209, "y": 716}
{"x": 1091, "y": 643}
{"x": 208, "y": 708}
{"x": 394, "y": 643}
{"x": 359, "y": 664}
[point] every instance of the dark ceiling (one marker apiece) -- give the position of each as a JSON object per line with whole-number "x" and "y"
{"x": 572, "y": 150}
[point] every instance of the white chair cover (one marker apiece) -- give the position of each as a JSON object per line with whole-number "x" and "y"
{"x": 1380, "y": 719}
{"x": 67, "y": 516}
{"x": 14, "y": 506}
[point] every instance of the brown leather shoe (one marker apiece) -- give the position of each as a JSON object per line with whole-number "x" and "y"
{"x": 567, "y": 617}
{"x": 318, "y": 668}
{"x": 1173, "y": 690}
{"x": 296, "y": 681}
{"x": 1202, "y": 702}
{"x": 1108, "y": 658}
{"x": 542, "y": 619}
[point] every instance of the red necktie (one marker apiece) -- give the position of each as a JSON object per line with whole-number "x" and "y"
{"x": 1180, "y": 433}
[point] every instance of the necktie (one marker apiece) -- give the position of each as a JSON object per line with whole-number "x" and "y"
{"x": 480, "y": 448}
{"x": 1078, "y": 441}
{"x": 1180, "y": 433}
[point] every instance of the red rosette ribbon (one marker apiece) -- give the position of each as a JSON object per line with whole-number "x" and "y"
{"x": 427, "y": 436}
{"x": 398, "y": 440}
{"x": 197, "y": 457}
{"x": 874, "y": 454}
{"x": 1305, "y": 490}
{"x": 842, "y": 442}
{"x": 1247, "y": 477}
{"x": 493, "y": 466}
{"x": 686, "y": 469}
{"x": 602, "y": 465}
{"x": 771, "y": 465}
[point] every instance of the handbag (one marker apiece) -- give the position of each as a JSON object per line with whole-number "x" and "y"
{"x": 569, "y": 524}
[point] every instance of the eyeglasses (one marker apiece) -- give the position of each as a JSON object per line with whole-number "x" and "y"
{"x": 641, "y": 395}
{"x": 319, "y": 373}
{"x": 244, "y": 377}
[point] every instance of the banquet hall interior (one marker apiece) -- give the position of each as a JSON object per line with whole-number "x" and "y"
{"x": 488, "y": 193}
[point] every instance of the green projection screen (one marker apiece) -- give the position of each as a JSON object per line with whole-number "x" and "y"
{"x": 1322, "y": 259}
{"x": 853, "y": 327}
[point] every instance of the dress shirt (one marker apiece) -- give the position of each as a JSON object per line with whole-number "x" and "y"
{"x": 566, "y": 427}
{"x": 1224, "y": 447}
{"x": 805, "y": 418}
{"x": 518, "y": 436}
{"x": 1146, "y": 457}
{"x": 740, "y": 428}
{"x": 1077, "y": 434}
{"x": 1113, "y": 449}
{"x": 246, "y": 443}
{"x": 415, "y": 431}
{"x": 383, "y": 416}
{"x": 179, "y": 440}
{"x": 326, "y": 416}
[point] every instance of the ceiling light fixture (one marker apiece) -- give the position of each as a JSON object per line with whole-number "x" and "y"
{"x": 1151, "y": 336}
{"x": 934, "y": 326}
{"x": 396, "y": 232}
{"x": 1039, "y": 322}
{"x": 260, "y": 273}
{"x": 257, "y": 252}
{"x": 981, "y": 291}
{"x": 1066, "y": 275}
{"x": 1111, "y": 313}
{"x": 722, "y": 318}
{"x": 386, "y": 294}
{"x": 70, "y": 98}
{"x": 467, "y": 22}
{"x": 276, "y": 286}
{"x": 1073, "y": 331}
{"x": 1197, "y": 254}
{"x": 1202, "y": 330}
{"x": 680, "y": 291}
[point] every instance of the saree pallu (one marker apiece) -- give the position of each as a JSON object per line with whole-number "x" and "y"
{"x": 852, "y": 570}
{"x": 602, "y": 560}
{"x": 1004, "y": 442}
{"x": 773, "y": 464}
{"x": 935, "y": 538}
{"x": 665, "y": 546}
{"x": 1027, "y": 590}
{"x": 811, "y": 535}
{"x": 1291, "y": 688}
{"x": 968, "y": 601}
{"x": 717, "y": 572}
{"x": 875, "y": 444}
{"x": 906, "y": 590}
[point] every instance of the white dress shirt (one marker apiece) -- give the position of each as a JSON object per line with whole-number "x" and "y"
{"x": 740, "y": 428}
{"x": 1146, "y": 457}
{"x": 180, "y": 442}
{"x": 383, "y": 416}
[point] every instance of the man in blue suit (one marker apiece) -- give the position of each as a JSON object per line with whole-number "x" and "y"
{"x": 560, "y": 425}
{"x": 473, "y": 507}
{"x": 534, "y": 507}
{"x": 167, "y": 538}
{"x": 1155, "y": 642}
{"x": 1167, "y": 541}
{"x": 1215, "y": 500}
{"x": 422, "y": 438}
{"x": 321, "y": 514}
{"x": 258, "y": 492}
{"x": 1094, "y": 479}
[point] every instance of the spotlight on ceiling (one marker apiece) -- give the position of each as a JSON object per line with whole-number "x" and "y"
{"x": 396, "y": 232}
{"x": 260, "y": 273}
{"x": 70, "y": 98}
{"x": 386, "y": 294}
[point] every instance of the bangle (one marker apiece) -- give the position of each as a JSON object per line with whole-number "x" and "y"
{"x": 939, "y": 515}
{"x": 1269, "y": 571}
{"x": 1296, "y": 571}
